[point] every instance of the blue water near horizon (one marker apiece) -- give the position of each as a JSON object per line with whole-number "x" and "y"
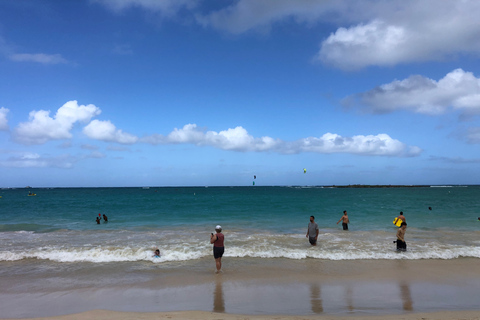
{"x": 56, "y": 222}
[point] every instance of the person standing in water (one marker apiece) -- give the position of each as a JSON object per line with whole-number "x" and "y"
{"x": 312, "y": 231}
{"x": 402, "y": 217}
{"x": 218, "y": 247}
{"x": 345, "y": 219}
{"x": 401, "y": 244}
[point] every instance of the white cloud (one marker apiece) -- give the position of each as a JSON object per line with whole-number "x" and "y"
{"x": 458, "y": 90}
{"x": 34, "y": 160}
{"x": 3, "y": 119}
{"x": 238, "y": 139}
{"x": 404, "y": 31}
{"x": 166, "y": 8}
{"x": 375, "y": 43}
{"x": 370, "y": 32}
{"x": 376, "y": 145}
{"x": 42, "y": 128}
{"x": 106, "y": 131}
{"x": 246, "y": 15}
{"x": 39, "y": 58}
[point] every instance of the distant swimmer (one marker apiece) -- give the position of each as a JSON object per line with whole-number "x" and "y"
{"x": 312, "y": 231}
{"x": 156, "y": 254}
{"x": 105, "y": 218}
{"x": 345, "y": 219}
{"x": 98, "y": 220}
{"x": 218, "y": 247}
{"x": 401, "y": 244}
{"x": 430, "y": 208}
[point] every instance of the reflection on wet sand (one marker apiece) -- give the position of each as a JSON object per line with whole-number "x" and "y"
{"x": 218, "y": 300}
{"x": 349, "y": 299}
{"x": 406, "y": 296}
{"x": 315, "y": 298}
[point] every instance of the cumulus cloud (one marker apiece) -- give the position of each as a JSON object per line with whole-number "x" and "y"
{"x": 369, "y": 32}
{"x": 375, "y": 43}
{"x": 106, "y": 131}
{"x": 376, "y": 145}
{"x": 42, "y": 128}
{"x": 3, "y": 119}
{"x": 403, "y": 32}
{"x": 238, "y": 139}
{"x": 38, "y": 58}
{"x": 458, "y": 90}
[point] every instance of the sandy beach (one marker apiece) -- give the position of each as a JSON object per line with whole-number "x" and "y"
{"x": 201, "y": 315}
{"x": 251, "y": 289}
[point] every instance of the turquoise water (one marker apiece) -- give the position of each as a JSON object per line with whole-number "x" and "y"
{"x": 265, "y": 222}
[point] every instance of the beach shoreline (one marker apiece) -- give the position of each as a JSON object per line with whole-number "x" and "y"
{"x": 249, "y": 288}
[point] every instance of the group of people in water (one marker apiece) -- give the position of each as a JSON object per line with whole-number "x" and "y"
{"x": 218, "y": 238}
{"x": 312, "y": 230}
{"x": 105, "y": 219}
{"x": 312, "y": 234}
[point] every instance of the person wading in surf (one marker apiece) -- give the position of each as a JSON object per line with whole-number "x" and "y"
{"x": 218, "y": 247}
{"x": 312, "y": 231}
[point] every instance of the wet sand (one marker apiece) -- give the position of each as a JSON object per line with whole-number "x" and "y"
{"x": 248, "y": 289}
{"x": 202, "y": 315}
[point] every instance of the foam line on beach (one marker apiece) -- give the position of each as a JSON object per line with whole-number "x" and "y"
{"x": 185, "y": 253}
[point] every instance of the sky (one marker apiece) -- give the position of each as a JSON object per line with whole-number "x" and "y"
{"x": 118, "y": 93}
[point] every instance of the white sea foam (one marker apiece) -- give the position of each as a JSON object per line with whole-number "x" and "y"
{"x": 185, "y": 253}
{"x": 134, "y": 246}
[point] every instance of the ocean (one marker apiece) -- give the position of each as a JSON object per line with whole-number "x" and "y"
{"x": 55, "y": 259}
{"x": 58, "y": 224}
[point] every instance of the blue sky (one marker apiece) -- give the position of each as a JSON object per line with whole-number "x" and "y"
{"x": 100, "y": 93}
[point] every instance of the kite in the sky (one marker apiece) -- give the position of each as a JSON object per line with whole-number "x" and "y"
{"x": 304, "y": 170}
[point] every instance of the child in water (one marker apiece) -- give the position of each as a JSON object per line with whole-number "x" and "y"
{"x": 156, "y": 253}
